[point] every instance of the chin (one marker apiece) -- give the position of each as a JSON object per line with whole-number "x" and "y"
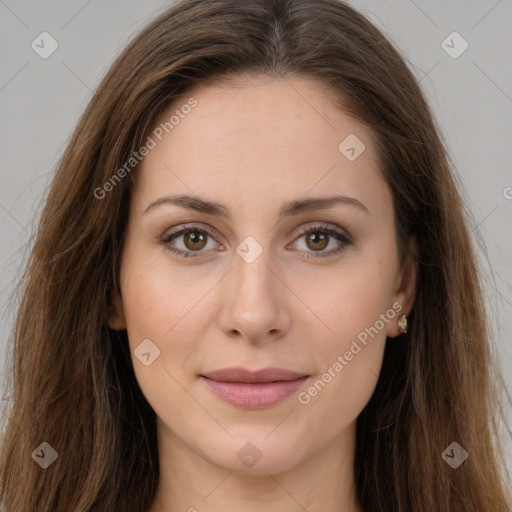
{"x": 253, "y": 454}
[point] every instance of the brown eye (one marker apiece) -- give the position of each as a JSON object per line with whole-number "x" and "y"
{"x": 317, "y": 240}
{"x": 189, "y": 241}
{"x": 194, "y": 240}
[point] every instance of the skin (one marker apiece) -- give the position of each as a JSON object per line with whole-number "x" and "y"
{"x": 253, "y": 146}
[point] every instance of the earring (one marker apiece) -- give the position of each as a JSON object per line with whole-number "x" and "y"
{"x": 402, "y": 323}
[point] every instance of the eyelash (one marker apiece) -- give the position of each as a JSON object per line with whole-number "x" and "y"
{"x": 338, "y": 235}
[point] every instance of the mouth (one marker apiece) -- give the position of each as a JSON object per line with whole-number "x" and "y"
{"x": 253, "y": 389}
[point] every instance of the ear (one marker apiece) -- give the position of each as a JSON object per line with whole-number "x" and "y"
{"x": 116, "y": 320}
{"x": 405, "y": 286}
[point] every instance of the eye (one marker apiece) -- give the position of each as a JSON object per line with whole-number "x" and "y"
{"x": 194, "y": 240}
{"x": 317, "y": 238}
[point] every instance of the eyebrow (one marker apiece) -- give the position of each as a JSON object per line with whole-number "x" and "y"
{"x": 295, "y": 207}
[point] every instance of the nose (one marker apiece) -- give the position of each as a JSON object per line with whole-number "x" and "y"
{"x": 255, "y": 301}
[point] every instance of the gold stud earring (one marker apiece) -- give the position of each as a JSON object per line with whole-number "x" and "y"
{"x": 402, "y": 323}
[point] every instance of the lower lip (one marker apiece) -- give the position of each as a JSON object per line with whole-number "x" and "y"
{"x": 254, "y": 395}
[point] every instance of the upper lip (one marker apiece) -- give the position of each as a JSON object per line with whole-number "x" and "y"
{"x": 239, "y": 374}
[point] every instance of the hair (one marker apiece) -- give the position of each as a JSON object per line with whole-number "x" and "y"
{"x": 72, "y": 383}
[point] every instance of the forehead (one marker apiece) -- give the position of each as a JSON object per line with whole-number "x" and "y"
{"x": 265, "y": 138}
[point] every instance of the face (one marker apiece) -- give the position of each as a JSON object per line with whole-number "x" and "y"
{"x": 263, "y": 278}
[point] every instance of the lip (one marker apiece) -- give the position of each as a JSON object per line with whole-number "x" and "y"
{"x": 253, "y": 389}
{"x": 240, "y": 374}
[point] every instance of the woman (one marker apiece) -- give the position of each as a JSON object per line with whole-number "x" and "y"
{"x": 253, "y": 286}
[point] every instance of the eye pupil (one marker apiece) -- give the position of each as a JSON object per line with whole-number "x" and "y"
{"x": 316, "y": 238}
{"x": 194, "y": 238}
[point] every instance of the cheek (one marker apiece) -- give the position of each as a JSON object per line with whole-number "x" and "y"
{"x": 352, "y": 297}
{"x": 351, "y": 356}
{"x": 159, "y": 299}
{"x": 349, "y": 360}
{"x": 172, "y": 311}
{"x": 356, "y": 309}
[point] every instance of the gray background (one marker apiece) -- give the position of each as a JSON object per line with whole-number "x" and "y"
{"x": 471, "y": 96}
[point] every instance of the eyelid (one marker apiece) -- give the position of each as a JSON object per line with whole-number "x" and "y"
{"x": 325, "y": 226}
{"x": 182, "y": 228}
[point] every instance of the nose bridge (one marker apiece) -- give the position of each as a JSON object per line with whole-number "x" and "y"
{"x": 251, "y": 303}
{"x": 251, "y": 274}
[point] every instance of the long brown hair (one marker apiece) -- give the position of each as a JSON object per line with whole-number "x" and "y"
{"x": 72, "y": 383}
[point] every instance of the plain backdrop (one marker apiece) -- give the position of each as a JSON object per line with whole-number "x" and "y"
{"x": 470, "y": 94}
